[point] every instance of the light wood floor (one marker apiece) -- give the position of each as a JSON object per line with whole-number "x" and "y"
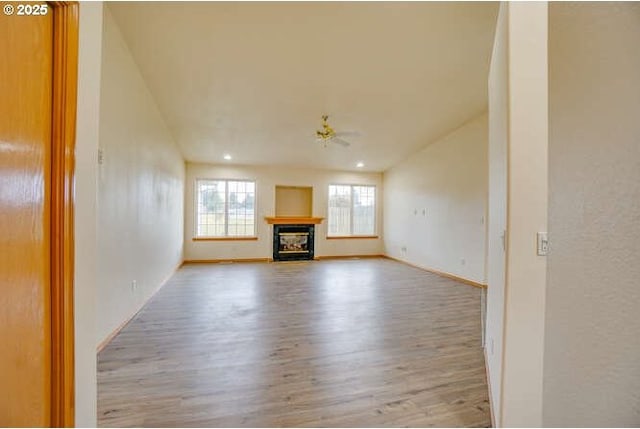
{"x": 369, "y": 342}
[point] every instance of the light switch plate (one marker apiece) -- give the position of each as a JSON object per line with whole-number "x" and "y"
{"x": 543, "y": 244}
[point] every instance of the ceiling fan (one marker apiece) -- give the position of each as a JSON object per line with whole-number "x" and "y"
{"x": 329, "y": 135}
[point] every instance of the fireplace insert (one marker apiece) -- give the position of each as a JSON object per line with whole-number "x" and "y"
{"x": 293, "y": 242}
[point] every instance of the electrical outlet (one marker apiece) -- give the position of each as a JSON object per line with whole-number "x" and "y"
{"x": 134, "y": 286}
{"x": 403, "y": 249}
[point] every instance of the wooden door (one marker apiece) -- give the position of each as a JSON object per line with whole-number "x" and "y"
{"x": 25, "y": 196}
{"x": 37, "y": 134}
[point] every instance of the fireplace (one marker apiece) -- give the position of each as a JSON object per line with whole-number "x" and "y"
{"x": 293, "y": 242}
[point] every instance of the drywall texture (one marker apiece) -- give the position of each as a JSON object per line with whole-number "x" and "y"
{"x": 592, "y": 353}
{"x": 497, "y": 210}
{"x": 266, "y": 180}
{"x": 89, "y": 63}
{"x": 140, "y": 190}
{"x": 435, "y": 204}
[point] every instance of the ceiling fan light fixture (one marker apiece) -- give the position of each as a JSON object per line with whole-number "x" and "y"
{"x": 328, "y": 135}
{"x": 360, "y": 164}
{"x": 227, "y": 157}
{"x": 327, "y": 132}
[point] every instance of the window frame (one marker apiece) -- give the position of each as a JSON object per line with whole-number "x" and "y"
{"x": 226, "y": 237}
{"x": 374, "y": 233}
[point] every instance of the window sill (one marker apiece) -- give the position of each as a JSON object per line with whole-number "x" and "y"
{"x": 224, "y": 238}
{"x": 350, "y": 237}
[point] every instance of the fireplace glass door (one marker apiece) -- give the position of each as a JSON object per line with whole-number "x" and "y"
{"x": 294, "y": 242}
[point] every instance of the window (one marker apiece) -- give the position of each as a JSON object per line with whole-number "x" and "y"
{"x": 352, "y": 210}
{"x": 225, "y": 208}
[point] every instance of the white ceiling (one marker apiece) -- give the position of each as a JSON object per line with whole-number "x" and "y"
{"x": 253, "y": 79}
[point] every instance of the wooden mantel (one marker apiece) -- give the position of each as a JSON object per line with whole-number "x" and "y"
{"x": 293, "y": 220}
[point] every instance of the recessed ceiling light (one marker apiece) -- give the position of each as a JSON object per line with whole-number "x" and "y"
{"x": 227, "y": 157}
{"x": 360, "y": 164}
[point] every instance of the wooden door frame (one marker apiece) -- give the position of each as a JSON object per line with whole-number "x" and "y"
{"x": 63, "y": 140}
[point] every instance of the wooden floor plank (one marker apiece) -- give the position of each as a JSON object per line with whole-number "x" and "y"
{"x": 335, "y": 343}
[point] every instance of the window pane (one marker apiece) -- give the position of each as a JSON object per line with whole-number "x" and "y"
{"x": 364, "y": 199}
{"x": 241, "y": 208}
{"x": 225, "y": 208}
{"x": 352, "y": 210}
{"x": 339, "y": 210}
{"x": 211, "y": 197}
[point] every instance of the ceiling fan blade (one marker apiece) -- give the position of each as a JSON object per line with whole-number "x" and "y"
{"x": 348, "y": 134}
{"x": 339, "y": 141}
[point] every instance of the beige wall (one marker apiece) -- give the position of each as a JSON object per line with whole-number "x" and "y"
{"x": 526, "y": 215}
{"x": 140, "y": 190}
{"x": 90, "y": 51}
{"x": 497, "y": 210}
{"x": 266, "y": 179}
{"x": 435, "y": 204}
{"x": 592, "y": 353}
{"x": 523, "y": 301}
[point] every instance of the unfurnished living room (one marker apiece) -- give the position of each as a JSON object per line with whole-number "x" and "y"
{"x": 327, "y": 214}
